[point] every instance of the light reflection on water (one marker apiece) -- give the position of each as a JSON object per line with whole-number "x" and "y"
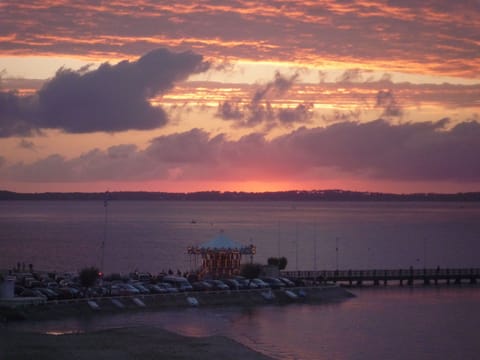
{"x": 383, "y": 323}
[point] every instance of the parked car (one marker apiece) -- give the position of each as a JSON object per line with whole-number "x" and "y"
{"x": 52, "y": 285}
{"x": 260, "y": 283}
{"x": 122, "y": 289}
{"x": 274, "y": 283}
{"x": 156, "y": 289}
{"x": 32, "y": 293}
{"x": 286, "y": 281}
{"x": 50, "y": 294}
{"x": 232, "y": 284}
{"x": 68, "y": 292}
{"x": 218, "y": 284}
{"x": 140, "y": 287}
{"x": 178, "y": 282}
{"x": 202, "y": 286}
{"x": 167, "y": 286}
{"x": 246, "y": 283}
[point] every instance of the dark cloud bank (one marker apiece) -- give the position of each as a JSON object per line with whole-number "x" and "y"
{"x": 110, "y": 98}
{"x": 378, "y": 150}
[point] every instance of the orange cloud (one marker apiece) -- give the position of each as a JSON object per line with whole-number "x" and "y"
{"x": 418, "y": 38}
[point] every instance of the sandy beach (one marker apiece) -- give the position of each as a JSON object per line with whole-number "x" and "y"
{"x": 120, "y": 344}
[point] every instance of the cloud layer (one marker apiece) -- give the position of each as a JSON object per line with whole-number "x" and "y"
{"x": 110, "y": 98}
{"x": 374, "y": 150}
{"x": 434, "y": 37}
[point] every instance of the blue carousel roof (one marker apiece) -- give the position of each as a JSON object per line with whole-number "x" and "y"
{"x": 222, "y": 242}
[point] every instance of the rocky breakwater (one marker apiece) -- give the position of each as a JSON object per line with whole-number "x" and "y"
{"x": 119, "y": 304}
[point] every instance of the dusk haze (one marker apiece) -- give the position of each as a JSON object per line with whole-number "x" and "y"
{"x": 240, "y": 96}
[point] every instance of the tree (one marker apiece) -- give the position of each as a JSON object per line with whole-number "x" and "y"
{"x": 251, "y": 271}
{"x": 88, "y": 276}
{"x": 280, "y": 262}
{"x": 273, "y": 261}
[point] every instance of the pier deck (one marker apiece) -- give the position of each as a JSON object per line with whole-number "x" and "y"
{"x": 384, "y": 276}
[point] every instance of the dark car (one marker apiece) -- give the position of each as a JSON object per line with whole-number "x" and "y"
{"x": 246, "y": 283}
{"x": 140, "y": 287}
{"x": 202, "y": 286}
{"x": 232, "y": 284}
{"x": 218, "y": 285}
{"x": 68, "y": 292}
{"x": 156, "y": 289}
{"x": 286, "y": 281}
{"x": 50, "y": 294}
{"x": 260, "y": 283}
{"x": 167, "y": 286}
{"x": 274, "y": 283}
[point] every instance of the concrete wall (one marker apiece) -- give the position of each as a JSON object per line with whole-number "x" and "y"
{"x": 7, "y": 287}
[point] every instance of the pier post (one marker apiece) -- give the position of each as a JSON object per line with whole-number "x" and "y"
{"x": 410, "y": 277}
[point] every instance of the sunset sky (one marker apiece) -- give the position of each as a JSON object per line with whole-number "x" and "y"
{"x": 240, "y": 95}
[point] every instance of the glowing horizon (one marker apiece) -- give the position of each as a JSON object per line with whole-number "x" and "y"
{"x": 257, "y": 97}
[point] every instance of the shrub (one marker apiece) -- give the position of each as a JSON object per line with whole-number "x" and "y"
{"x": 88, "y": 276}
{"x": 251, "y": 271}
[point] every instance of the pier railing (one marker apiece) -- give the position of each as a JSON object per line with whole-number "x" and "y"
{"x": 375, "y": 276}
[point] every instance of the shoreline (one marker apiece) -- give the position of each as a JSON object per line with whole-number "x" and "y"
{"x": 144, "y": 342}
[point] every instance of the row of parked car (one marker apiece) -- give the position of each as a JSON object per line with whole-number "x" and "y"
{"x": 69, "y": 287}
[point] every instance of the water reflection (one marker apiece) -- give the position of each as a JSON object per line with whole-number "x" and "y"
{"x": 389, "y": 323}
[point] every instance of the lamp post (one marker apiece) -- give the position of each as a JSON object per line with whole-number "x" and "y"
{"x": 296, "y": 246}
{"x": 424, "y": 253}
{"x": 278, "y": 239}
{"x": 315, "y": 248}
{"x": 368, "y": 258}
{"x": 336, "y": 253}
{"x": 105, "y": 205}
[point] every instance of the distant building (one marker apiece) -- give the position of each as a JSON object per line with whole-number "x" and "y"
{"x": 221, "y": 256}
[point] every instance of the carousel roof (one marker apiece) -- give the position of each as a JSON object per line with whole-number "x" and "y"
{"x": 221, "y": 242}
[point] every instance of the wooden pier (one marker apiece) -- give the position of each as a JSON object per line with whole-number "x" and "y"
{"x": 377, "y": 277}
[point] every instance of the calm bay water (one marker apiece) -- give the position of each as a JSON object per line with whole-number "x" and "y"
{"x": 384, "y": 323}
{"x": 151, "y": 236}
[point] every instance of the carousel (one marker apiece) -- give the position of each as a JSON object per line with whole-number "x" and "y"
{"x": 221, "y": 257}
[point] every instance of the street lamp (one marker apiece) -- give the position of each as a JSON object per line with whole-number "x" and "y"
{"x": 315, "y": 248}
{"x": 296, "y": 246}
{"x": 105, "y": 205}
{"x": 336, "y": 253}
{"x": 424, "y": 253}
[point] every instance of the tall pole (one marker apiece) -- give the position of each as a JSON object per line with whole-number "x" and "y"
{"x": 336, "y": 253}
{"x": 424, "y": 253}
{"x": 315, "y": 247}
{"x": 105, "y": 205}
{"x": 296, "y": 246}
{"x": 278, "y": 239}
{"x": 368, "y": 258}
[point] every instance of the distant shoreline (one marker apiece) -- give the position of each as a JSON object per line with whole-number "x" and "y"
{"x": 304, "y": 195}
